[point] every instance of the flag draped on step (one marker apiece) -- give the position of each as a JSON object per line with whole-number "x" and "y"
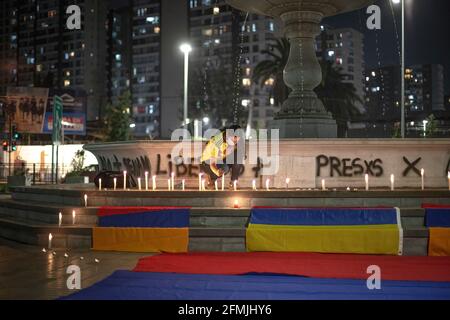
{"x": 326, "y": 230}
{"x": 437, "y": 219}
{"x": 142, "y": 229}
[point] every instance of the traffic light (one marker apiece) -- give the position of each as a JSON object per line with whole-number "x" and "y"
{"x": 14, "y": 146}
{"x": 5, "y": 146}
{"x": 15, "y": 134}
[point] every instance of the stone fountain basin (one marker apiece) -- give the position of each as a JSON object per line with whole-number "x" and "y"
{"x": 276, "y": 8}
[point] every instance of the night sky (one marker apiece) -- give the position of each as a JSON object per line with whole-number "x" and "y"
{"x": 427, "y": 33}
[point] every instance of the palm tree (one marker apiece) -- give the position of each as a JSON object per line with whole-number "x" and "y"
{"x": 273, "y": 68}
{"x": 339, "y": 97}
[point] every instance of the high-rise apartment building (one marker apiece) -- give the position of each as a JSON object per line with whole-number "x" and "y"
{"x": 39, "y": 49}
{"x": 345, "y": 48}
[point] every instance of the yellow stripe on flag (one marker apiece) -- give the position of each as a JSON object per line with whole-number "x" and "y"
{"x": 439, "y": 243}
{"x": 171, "y": 240}
{"x": 374, "y": 239}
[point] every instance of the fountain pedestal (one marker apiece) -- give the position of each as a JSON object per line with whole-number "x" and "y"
{"x": 302, "y": 115}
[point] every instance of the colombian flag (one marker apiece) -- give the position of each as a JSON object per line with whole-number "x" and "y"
{"x": 326, "y": 230}
{"x": 437, "y": 219}
{"x": 142, "y": 229}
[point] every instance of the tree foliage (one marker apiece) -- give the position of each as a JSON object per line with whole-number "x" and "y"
{"x": 117, "y": 119}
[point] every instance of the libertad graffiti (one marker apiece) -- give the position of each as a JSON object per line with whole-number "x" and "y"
{"x": 163, "y": 166}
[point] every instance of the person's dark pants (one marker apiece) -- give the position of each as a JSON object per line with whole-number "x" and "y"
{"x": 226, "y": 168}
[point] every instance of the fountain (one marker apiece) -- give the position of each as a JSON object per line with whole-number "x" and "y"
{"x": 302, "y": 114}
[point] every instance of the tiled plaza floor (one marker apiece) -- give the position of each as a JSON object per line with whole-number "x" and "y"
{"x": 28, "y": 273}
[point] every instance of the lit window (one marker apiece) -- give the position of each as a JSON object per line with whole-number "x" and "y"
{"x": 157, "y": 30}
{"x": 246, "y": 82}
{"x": 245, "y": 102}
{"x": 269, "y": 82}
{"x": 216, "y": 10}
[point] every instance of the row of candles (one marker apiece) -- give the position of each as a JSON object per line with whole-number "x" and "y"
{"x": 202, "y": 183}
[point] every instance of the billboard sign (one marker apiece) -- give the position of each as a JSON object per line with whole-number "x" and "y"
{"x": 26, "y": 108}
{"x": 57, "y": 134}
{"x": 73, "y": 113}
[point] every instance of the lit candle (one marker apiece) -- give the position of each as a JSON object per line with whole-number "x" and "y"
{"x": 254, "y": 185}
{"x": 183, "y": 185}
{"x": 200, "y": 181}
{"x": 50, "y": 238}
{"x": 154, "y": 183}
{"x": 100, "y": 184}
{"x": 124, "y": 180}
{"x": 236, "y": 204}
{"x": 216, "y": 185}
{"x": 60, "y": 220}
{"x": 173, "y": 181}
{"x": 324, "y": 187}
{"x": 85, "y": 200}
{"x": 139, "y": 184}
{"x": 223, "y": 182}
{"x": 115, "y": 184}
{"x": 422, "y": 173}
{"x": 168, "y": 184}
{"x": 367, "y": 182}
{"x": 74, "y": 217}
{"x": 268, "y": 184}
{"x": 448, "y": 177}
{"x": 146, "y": 180}
{"x": 235, "y": 185}
{"x": 392, "y": 182}
{"x": 287, "y": 183}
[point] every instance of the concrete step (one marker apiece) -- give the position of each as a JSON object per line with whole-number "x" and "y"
{"x": 73, "y": 196}
{"x": 71, "y": 237}
{"x": 219, "y": 217}
{"x": 46, "y": 213}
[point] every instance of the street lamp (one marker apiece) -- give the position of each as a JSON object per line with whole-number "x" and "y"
{"x": 186, "y": 49}
{"x": 403, "y": 127}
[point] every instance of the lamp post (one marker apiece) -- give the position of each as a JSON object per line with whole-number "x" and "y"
{"x": 186, "y": 49}
{"x": 403, "y": 120}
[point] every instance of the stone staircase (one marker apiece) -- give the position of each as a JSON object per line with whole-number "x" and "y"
{"x": 30, "y": 214}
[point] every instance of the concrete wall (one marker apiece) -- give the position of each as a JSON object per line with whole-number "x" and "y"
{"x": 342, "y": 163}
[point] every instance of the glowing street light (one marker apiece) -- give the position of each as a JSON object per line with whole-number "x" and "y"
{"x": 403, "y": 120}
{"x": 186, "y": 49}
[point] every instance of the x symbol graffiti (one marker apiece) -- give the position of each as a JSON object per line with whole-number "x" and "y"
{"x": 411, "y": 166}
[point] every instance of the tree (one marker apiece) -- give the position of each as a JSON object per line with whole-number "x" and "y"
{"x": 431, "y": 127}
{"x": 117, "y": 119}
{"x": 339, "y": 97}
{"x": 211, "y": 93}
{"x": 78, "y": 161}
{"x": 274, "y": 68}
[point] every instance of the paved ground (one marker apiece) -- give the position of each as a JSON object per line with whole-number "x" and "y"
{"x": 28, "y": 273}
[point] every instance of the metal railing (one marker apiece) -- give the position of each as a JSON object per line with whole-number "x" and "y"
{"x": 36, "y": 173}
